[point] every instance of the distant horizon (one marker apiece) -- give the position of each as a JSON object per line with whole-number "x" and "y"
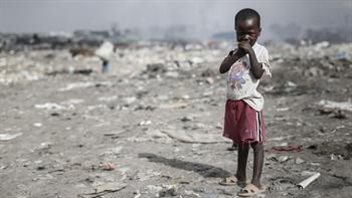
{"x": 202, "y": 18}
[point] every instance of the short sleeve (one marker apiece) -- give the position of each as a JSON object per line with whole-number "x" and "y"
{"x": 264, "y": 61}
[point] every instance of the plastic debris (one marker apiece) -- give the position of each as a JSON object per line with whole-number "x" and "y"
{"x": 7, "y": 136}
{"x": 336, "y": 105}
{"x": 303, "y": 184}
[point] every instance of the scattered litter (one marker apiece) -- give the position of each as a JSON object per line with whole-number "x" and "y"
{"x": 108, "y": 98}
{"x": 283, "y": 159}
{"x": 77, "y": 86}
{"x": 308, "y": 181}
{"x": 45, "y": 145}
{"x": 340, "y": 114}
{"x": 337, "y": 128}
{"x": 336, "y": 157}
{"x": 193, "y": 194}
{"x": 313, "y": 72}
{"x": 186, "y": 119}
{"x": 2, "y": 167}
{"x": 168, "y": 191}
{"x": 283, "y": 109}
{"x": 65, "y": 71}
{"x": 336, "y": 105}
{"x": 65, "y": 105}
{"x": 145, "y": 123}
{"x": 104, "y": 189}
{"x": 73, "y": 101}
{"x": 129, "y": 100}
{"x": 333, "y": 150}
{"x": 299, "y": 161}
{"x": 7, "y": 136}
{"x": 291, "y": 84}
{"x": 181, "y": 97}
{"x": 114, "y": 134}
{"x": 209, "y": 80}
{"x": 107, "y": 167}
{"x": 37, "y": 124}
{"x": 55, "y": 114}
{"x": 49, "y": 106}
{"x": 137, "y": 194}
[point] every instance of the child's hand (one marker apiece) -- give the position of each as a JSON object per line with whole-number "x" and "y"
{"x": 240, "y": 52}
{"x": 245, "y": 46}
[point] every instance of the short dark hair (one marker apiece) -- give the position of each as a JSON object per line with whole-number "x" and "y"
{"x": 247, "y": 13}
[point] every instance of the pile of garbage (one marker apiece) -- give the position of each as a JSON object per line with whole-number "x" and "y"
{"x": 152, "y": 57}
{"x": 13, "y": 42}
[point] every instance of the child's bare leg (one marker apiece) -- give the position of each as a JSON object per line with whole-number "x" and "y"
{"x": 258, "y": 150}
{"x": 242, "y": 162}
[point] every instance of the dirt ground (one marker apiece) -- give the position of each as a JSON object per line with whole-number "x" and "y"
{"x": 67, "y": 130}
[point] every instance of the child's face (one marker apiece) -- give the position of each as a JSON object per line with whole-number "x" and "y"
{"x": 248, "y": 30}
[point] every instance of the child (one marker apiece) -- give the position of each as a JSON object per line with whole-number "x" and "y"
{"x": 104, "y": 52}
{"x": 244, "y": 122}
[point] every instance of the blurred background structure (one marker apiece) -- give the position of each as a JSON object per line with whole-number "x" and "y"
{"x": 174, "y": 20}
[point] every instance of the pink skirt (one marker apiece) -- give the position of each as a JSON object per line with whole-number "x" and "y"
{"x": 243, "y": 124}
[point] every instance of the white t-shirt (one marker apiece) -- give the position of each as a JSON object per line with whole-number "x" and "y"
{"x": 105, "y": 51}
{"x": 242, "y": 85}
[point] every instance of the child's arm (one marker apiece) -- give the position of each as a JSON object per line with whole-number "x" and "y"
{"x": 230, "y": 59}
{"x": 256, "y": 68}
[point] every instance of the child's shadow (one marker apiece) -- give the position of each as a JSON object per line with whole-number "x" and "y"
{"x": 202, "y": 169}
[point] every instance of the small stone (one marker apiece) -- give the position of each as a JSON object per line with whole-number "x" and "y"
{"x": 145, "y": 122}
{"x": 200, "y": 189}
{"x": 129, "y": 100}
{"x": 333, "y": 157}
{"x": 169, "y": 192}
{"x": 55, "y": 114}
{"x": 209, "y": 80}
{"x": 186, "y": 119}
{"x": 283, "y": 159}
{"x": 186, "y": 97}
{"x": 37, "y": 124}
{"x": 313, "y": 147}
{"x": 153, "y": 189}
{"x": 315, "y": 164}
{"x": 107, "y": 167}
{"x": 299, "y": 161}
{"x": 208, "y": 73}
{"x": 41, "y": 167}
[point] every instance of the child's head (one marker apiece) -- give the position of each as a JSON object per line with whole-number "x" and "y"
{"x": 247, "y": 25}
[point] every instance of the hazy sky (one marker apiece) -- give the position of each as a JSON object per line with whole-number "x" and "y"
{"x": 203, "y": 16}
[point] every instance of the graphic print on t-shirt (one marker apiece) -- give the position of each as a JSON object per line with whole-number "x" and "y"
{"x": 237, "y": 73}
